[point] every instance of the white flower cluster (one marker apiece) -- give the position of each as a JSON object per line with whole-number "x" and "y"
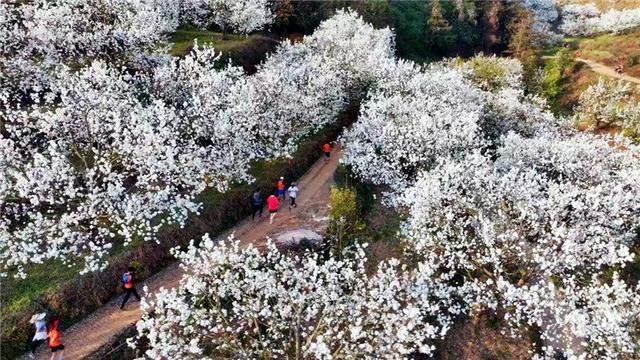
{"x": 39, "y": 35}
{"x": 609, "y": 104}
{"x": 105, "y": 155}
{"x": 414, "y": 116}
{"x": 540, "y": 221}
{"x": 243, "y": 16}
{"x": 587, "y": 20}
{"x": 236, "y": 303}
{"x": 545, "y": 13}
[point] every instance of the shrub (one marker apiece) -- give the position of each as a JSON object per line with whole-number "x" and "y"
{"x": 345, "y": 220}
{"x": 553, "y": 74}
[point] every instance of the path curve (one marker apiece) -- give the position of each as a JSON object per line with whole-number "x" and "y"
{"x": 608, "y": 71}
{"x": 101, "y": 327}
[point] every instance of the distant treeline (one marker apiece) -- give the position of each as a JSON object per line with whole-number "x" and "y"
{"x": 425, "y": 29}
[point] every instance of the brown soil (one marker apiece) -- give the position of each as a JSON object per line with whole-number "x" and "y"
{"x": 481, "y": 338}
{"x": 608, "y": 71}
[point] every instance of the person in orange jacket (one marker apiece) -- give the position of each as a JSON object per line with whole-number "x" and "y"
{"x": 272, "y": 204}
{"x": 280, "y": 187}
{"x": 55, "y": 340}
{"x": 127, "y": 284}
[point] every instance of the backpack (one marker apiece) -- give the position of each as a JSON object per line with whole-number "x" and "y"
{"x": 256, "y": 199}
{"x": 125, "y": 278}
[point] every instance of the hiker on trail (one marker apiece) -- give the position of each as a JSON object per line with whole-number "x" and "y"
{"x": 272, "y": 204}
{"x": 127, "y": 284}
{"x": 326, "y": 150}
{"x": 55, "y": 340}
{"x": 256, "y": 204}
{"x": 293, "y": 193}
{"x": 281, "y": 188}
{"x": 41, "y": 332}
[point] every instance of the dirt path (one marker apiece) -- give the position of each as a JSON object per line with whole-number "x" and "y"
{"x": 608, "y": 71}
{"x": 85, "y": 337}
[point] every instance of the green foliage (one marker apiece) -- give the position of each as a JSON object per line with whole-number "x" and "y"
{"x": 345, "y": 219}
{"x": 428, "y": 30}
{"x": 409, "y": 20}
{"x": 554, "y": 73}
{"x": 487, "y": 73}
{"x": 344, "y": 177}
{"x": 183, "y": 39}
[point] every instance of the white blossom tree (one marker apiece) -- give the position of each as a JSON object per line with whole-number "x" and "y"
{"x": 604, "y": 104}
{"x": 244, "y": 303}
{"x": 243, "y": 16}
{"x": 580, "y": 20}
{"x": 40, "y": 35}
{"x": 541, "y": 228}
{"x": 409, "y": 121}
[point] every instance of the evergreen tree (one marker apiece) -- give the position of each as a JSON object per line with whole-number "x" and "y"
{"x": 436, "y": 23}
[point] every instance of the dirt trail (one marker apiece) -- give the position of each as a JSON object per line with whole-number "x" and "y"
{"x": 97, "y": 329}
{"x": 608, "y": 71}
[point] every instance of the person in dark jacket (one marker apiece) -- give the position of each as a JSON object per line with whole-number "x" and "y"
{"x": 256, "y": 204}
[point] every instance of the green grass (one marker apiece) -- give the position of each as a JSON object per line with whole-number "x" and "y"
{"x": 18, "y": 294}
{"x": 610, "y": 49}
{"x": 182, "y": 40}
{"x": 551, "y": 51}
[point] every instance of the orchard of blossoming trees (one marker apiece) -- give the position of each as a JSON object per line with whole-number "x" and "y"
{"x": 104, "y": 154}
{"x": 587, "y": 20}
{"x": 579, "y": 19}
{"x": 39, "y": 35}
{"x": 508, "y": 209}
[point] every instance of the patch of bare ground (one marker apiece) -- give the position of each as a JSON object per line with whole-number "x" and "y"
{"x": 481, "y": 338}
{"x": 381, "y": 234}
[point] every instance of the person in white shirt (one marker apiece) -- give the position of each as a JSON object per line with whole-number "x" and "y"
{"x": 41, "y": 332}
{"x": 293, "y": 193}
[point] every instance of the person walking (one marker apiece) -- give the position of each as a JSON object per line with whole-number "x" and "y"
{"x": 127, "y": 284}
{"x": 293, "y": 193}
{"x": 280, "y": 187}
{"x": 272, "y": 204}
{"x": 326, "y": 150}
{"x": 41, "y": 333}
{"x": 256, "y": 204}
{"x": 55, "y": 340}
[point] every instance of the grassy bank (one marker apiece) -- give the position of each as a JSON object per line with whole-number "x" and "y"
{"x": 611, "y": 49}
{"x": 565, "y": 78}
{"x": 242, "y": 50}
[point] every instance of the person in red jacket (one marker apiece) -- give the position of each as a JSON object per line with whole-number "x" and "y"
{"x": 326, "y": 150}
{"x": 55, "y": 340}
{"x": 127, "y": 284}
{"x": 272, "y": 204}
